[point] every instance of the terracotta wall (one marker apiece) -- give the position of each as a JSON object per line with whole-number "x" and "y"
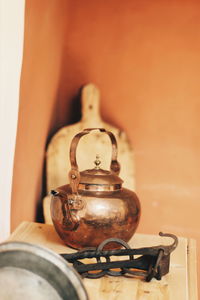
{"x": 144, "y": 56}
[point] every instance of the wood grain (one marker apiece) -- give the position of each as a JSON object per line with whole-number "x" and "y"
{"x": 192, "y": 272}
{"x": 179, "y": 284}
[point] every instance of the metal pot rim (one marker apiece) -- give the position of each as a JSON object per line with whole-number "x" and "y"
{"x": 44, "y": 253}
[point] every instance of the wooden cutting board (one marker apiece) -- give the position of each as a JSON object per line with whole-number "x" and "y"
{"x": 57, "y": 157}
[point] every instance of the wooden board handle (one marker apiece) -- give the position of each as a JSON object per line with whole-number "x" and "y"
{"x": 90, "y": 105}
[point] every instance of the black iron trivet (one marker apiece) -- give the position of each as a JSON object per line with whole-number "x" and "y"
{"x": 153, "y": 262}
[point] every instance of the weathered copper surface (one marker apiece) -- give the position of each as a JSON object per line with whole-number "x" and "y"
{"x": 94, "y": 206}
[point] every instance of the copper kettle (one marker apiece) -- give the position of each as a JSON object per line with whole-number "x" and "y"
{"x": 94, "y": 206}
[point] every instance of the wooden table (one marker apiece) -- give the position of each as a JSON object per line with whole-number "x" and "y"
{"x": 179, "y": 284}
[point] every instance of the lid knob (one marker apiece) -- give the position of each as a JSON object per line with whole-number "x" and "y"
{"x": 97, "y": 162}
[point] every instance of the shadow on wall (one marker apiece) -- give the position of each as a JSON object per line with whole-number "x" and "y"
{"x": 74, "y": 112}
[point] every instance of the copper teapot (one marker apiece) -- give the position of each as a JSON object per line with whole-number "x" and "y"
{"x": 94, "y": 206}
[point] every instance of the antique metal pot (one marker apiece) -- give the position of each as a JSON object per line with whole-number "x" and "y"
{"x": 33, "y": 272}
{"x": 94, "y": 206}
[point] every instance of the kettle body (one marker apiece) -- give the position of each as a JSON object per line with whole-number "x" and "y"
{"x": 94, "y": 206}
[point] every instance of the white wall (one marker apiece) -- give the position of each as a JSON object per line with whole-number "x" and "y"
{"x": 11, "y": 51}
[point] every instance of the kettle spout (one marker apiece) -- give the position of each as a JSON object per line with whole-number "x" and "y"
{"x": 54, "y": 193}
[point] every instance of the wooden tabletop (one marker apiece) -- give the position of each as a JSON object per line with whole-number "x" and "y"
{"x": 179, "y": 284}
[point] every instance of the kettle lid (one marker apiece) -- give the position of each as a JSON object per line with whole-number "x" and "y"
{"x": 98, "y": 176}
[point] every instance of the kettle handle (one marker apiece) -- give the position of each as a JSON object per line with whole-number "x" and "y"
{"x": 74, "y": 175}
